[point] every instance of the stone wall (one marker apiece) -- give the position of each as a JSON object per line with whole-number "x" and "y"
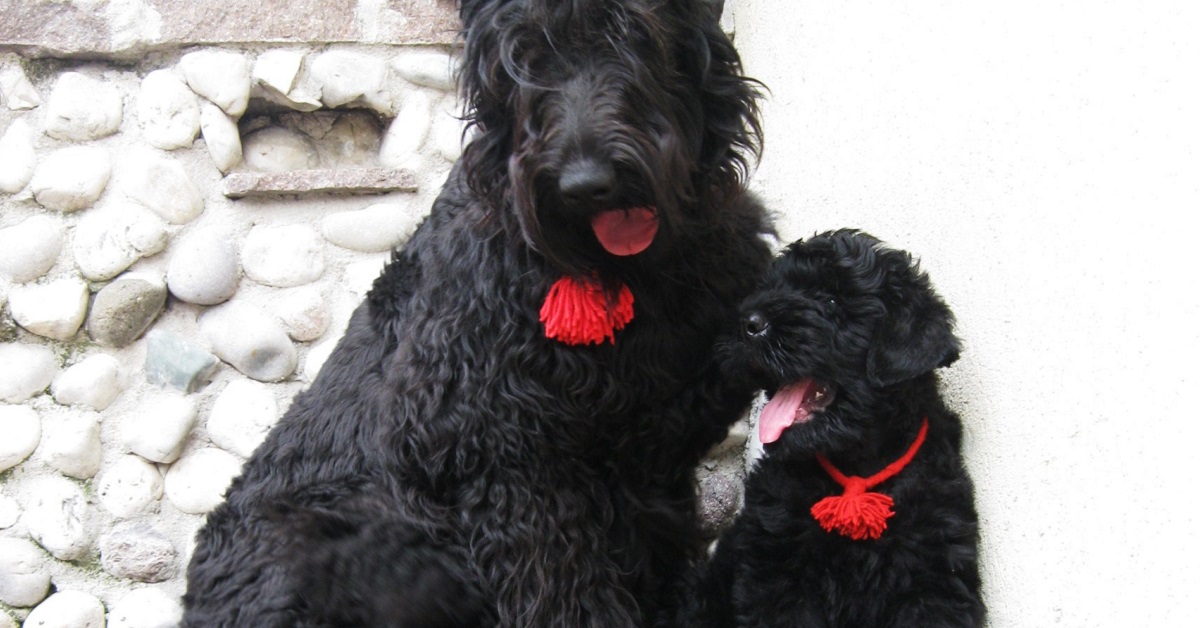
{"x": 181, "y": 242}
{"x": 188, "y": 216}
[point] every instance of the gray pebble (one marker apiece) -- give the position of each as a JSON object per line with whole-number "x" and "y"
{"x": 174, "y": 362}
{"x": 124, "y": 309}
{"x": 138, "y": 552}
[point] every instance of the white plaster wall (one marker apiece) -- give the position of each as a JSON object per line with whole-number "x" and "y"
{"x": 1043, "y": 159}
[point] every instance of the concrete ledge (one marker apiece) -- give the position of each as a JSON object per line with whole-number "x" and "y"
{"x": 304, "y": 182}
{"x": 126, "y": 29}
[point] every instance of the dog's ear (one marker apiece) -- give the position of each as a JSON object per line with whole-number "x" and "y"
{"x": 715, "y": 8}
{"x": 915, "y": 336}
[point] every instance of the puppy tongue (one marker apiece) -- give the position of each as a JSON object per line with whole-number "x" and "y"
{"x": 784, "y": 409}
{"x": 626, "y": 231}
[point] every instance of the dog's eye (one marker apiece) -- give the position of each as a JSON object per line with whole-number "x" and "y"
{"x": 831, "y": 301}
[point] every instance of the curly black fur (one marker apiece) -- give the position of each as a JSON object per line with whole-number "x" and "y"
{"x": 864, "y": 321}
{"x": 452, "y": 466}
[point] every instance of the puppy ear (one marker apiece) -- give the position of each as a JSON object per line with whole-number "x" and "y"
{"x": 915, "y": 336}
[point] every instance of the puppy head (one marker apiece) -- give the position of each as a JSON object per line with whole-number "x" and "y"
{"x": 839, "y": 325}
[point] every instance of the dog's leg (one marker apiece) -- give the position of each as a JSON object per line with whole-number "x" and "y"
{"x": 544, "y": 553}
{"x": 384, "y": 572}
{"x": 706, "y": 595}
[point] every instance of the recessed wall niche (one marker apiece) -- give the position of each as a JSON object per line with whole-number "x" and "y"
{"x": 326, "y": 139}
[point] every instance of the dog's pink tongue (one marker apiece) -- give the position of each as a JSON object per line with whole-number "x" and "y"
{"x": 626, "y": 231}
{"x": 783, "y": 410}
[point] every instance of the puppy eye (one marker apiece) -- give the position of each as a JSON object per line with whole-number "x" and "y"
{"x": 831, "y": 301}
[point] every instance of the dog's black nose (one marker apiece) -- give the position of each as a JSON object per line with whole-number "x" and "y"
{"x": 755, "y": 324}
{"x": 586, "y": 181}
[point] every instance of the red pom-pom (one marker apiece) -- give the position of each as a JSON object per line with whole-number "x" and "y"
{"x": 583, "y": 313}
{"x": 856, "y": 513}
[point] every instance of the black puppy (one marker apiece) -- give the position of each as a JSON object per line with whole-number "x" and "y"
{"x": 861, "y": 513}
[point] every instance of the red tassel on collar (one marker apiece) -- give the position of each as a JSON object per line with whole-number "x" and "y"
{"x": 857, "y": 513}
{"x": 583, "y": 313}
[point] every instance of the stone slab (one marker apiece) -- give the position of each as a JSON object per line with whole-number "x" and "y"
{"x": 102, "y": 29}
{"x": 303, "y": 182}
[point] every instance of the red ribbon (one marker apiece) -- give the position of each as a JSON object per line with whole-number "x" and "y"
{"x": 857, "y": 513}
{"x": 582, "y": 312}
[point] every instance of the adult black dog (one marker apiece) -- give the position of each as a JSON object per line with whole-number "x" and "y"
{"x": 454, "y": 465}
{"x": 861, "y": 514}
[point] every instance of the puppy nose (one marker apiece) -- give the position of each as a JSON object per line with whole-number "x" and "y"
{"x": 755, "y": 324}
{"x": 586, "y": 181}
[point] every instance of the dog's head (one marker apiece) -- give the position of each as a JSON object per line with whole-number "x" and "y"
{"x": 838, "y": 327}
{"x": 609, "y": 126}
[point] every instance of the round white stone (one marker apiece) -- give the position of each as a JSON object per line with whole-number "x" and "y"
{"x": 251, "y": 340}
{"x": 71, "y": 445}
{"x": 163, "y": 186}
{"x": 204, "y": 267}
{"x": 276, "y": 149}
{"x": 167, "y": 110}
{"x": 30, "y": 248}
{"x": 304, "y": 312}
{"x": 278, "y": 69}
{"x": 22, "y": 429}
{"x": 24, "y": 578}
{"x": 55, "y": 310}
{"x": 67, "y": 609}
{"x": 446, "y": 130}
{"x": 17, "y": 156}
{"x": 157, "y": 431}
{"x": 57, "y": 516}
{"x": 6, "y": 621}
{"x": 109, "y": 240}
{"x": 346, "y": 76}
{"x": 25, "y": 370}
{"x": 196, "y": 484}
{"x": 221, "y": 136}
{"x": 427, "y": 69}
{"x": 376, "y": 228}
{"x": 93, "y": 382}
{"x": 219, "y": 76}
{"x": 72, "y": 178}
{"x": 242, "y": 416}
{"x": 407, "y": 132}
{"x": 283, "y": 256}
{"x": 146, "y": 608}
{"x": 82, "y": 108}
{"x": 130, "y": 487}
{"x": 15, "y": 89}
